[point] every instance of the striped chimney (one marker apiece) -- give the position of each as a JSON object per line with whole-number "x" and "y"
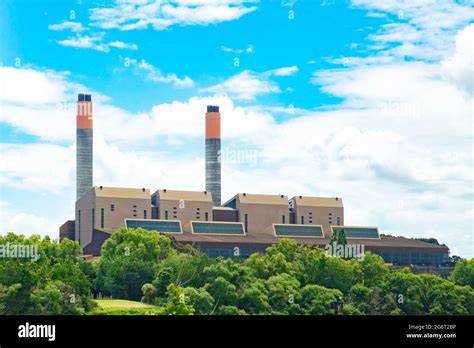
{"x": 213, "y": 153}
{"x": 84, "y": 138}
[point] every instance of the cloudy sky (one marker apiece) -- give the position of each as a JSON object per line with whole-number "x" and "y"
{"x": 369, "y": 100}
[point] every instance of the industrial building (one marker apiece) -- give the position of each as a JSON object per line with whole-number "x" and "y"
{"x": 244, "y": 224}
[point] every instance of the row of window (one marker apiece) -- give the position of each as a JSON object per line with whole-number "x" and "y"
{"x": 198, "y": 215}
{"x": 102, "y": 216}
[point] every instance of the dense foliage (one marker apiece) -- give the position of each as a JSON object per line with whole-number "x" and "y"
{"x": 289, "y": 279}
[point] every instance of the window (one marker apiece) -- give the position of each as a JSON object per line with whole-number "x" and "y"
{"x": 144, "y": 214}
{"x": 101, "y": 217}
{"x": 79, "y": 218}
{"x": 166, "y": 214}
{"x": 112, "y": 207}
{"x": 246, "y": 217}
{"x": 134, "y": 210}
{"x": 283, "y": 219}
{"x": 297, "y": 231}
{"x": 217, "y": 228}
{"x": 155, "y": 225}
{"x": 302, "y": 219}
{"x": 134, "y": 205}
{"x": 198, "y": 208}
{"x": 134, "y": 215}
{"x": 206, "y": 216}
{"x": 338, "y": 220}
{"x": 93, "y": 217}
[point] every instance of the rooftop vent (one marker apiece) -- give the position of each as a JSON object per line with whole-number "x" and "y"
{"x": 244, "y": 194}
{"x": 143, "y": 189}
{"x": 337, "y": 198}
{"x": 301, "y": 197}
{"x": 101, "y": 187}
{"x": 164, "y": 190}
{"x": 205, "y": 192}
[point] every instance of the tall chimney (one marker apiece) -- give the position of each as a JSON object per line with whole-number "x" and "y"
{"x": 84, "y": 139}
{"x": 213, "y": 153}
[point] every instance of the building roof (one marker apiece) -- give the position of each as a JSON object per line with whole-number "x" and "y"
{"x": 385, "y": 243}
{"x": 252, "y": 198}
{"x": 121, "y": 192}
{"x": 333, "y": 202}
{"x": 175, "y": 195}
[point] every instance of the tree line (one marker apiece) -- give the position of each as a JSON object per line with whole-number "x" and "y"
{"x": 289, "y": 279}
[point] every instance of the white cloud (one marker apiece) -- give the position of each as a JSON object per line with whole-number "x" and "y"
{"x": 12, "y": 220}
{"x": 73, "y": 26}
{"x": 428, "y": 24}
{"x": 95, "y": 42}
{"x": 459, "y": 67}
{"x": 154, "y": 74}
{"x": 32, "y": 86}
{"x": 85, "y": 41}
{"x": 285, "y": 71}
{"x": 237, "y": 51}
{"x": 131, "y": 14}
{"x": 49, "y": 167}
{"x": 123, "y": 45}
{"x": 245, "y": 86}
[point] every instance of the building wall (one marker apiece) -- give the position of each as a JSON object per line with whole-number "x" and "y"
{"x": 117, "y": 209}
{"x": 325, "y": 216}
{"x": 184, "y": 210}
{"x": 83, "y": 214}
{"x": 225, "y": 215}
{"x": 261, "y": 216}
{"x": 123, "y": 208}
{"x": 67, "y": 230}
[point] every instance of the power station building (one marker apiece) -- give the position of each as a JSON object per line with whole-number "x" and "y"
{"x": 244, "y": 224}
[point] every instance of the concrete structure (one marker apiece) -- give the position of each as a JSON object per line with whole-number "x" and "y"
{"x": 184, "y": 206}
{"x": 258, "y": 212}
{"x": 325, "y": 211}
{"x": 105, "y": 208}
{"x": 245, "y": 224}
{"x": 213, "y": 153}
{"x": 84, "y": 143}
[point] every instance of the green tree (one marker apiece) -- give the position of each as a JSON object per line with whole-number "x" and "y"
{"x": 284, "y": 294}
{"x": 463, "y": 273}
{"x": 149, "y": 293}
{"x": 200, "y": 299}
{"x": 177, "y": 302}
{"x": 318, "y": 300}
{"x": 254, "y": 298}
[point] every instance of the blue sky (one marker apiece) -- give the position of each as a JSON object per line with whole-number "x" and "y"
{"x": 367, "y": 100}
